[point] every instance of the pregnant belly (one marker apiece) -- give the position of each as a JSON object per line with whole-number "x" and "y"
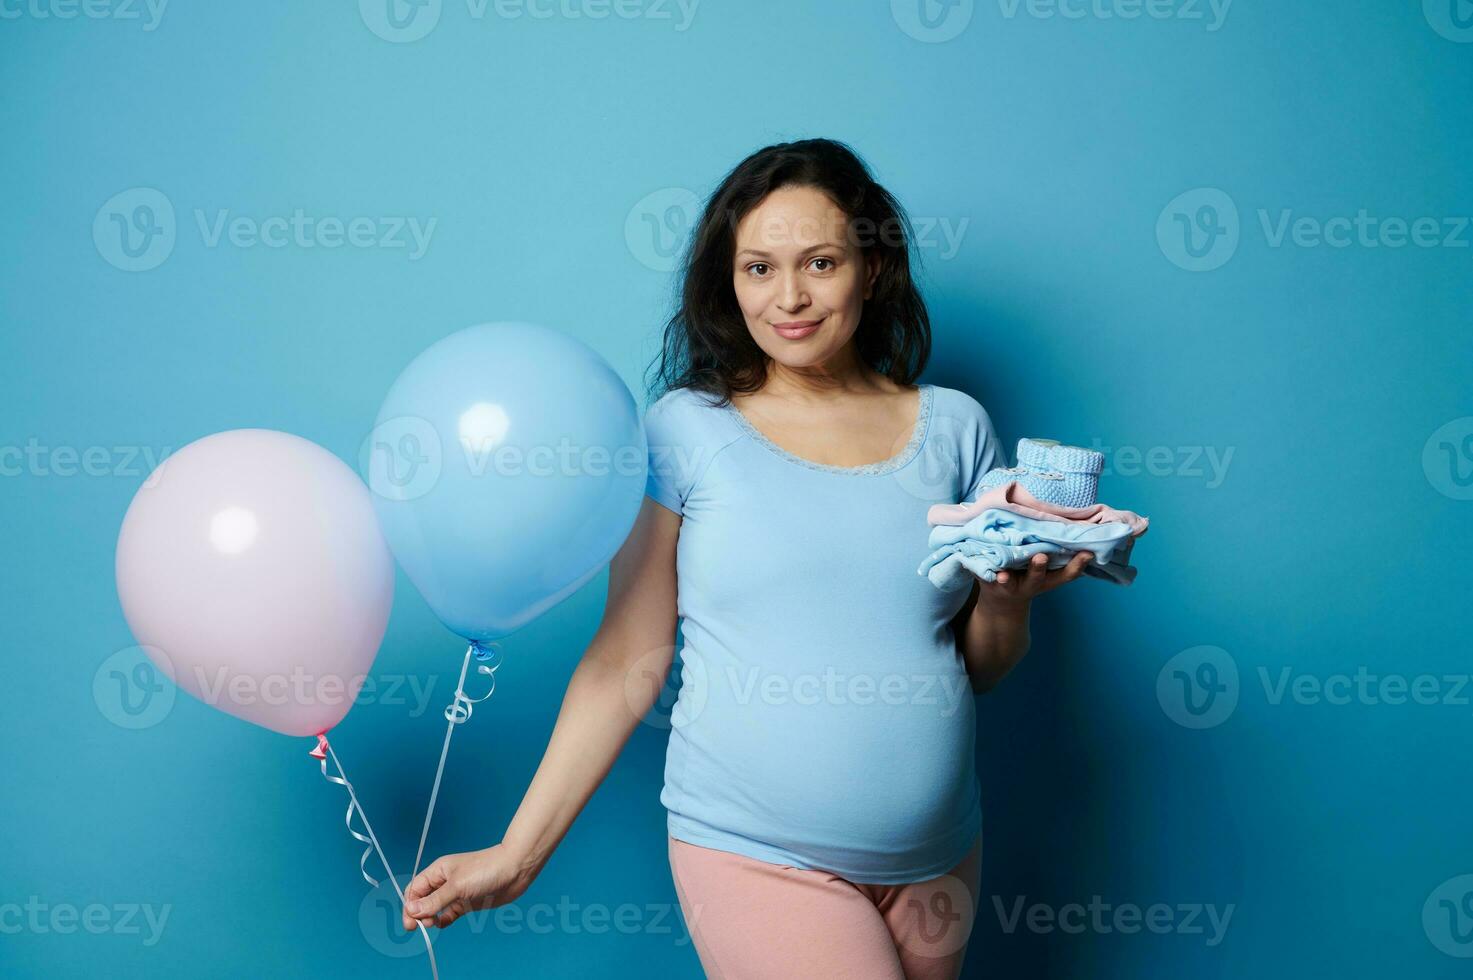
{"x": 871, "y": 766}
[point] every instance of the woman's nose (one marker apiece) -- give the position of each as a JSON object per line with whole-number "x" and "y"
{"x": 791, "y": 294}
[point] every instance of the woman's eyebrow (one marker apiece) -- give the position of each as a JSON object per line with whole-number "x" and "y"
{"x": 767, "y": 255}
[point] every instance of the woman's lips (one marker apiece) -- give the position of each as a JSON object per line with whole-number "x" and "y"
{"x": 797, "y": 329}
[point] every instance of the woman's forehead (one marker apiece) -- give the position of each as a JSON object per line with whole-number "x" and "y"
{"x": 792, "y": 220}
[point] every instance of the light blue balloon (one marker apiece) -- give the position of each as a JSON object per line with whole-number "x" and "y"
{"x": 507, "y": 464}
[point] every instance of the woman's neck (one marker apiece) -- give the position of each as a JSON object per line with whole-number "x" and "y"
{"x": 843, "y": 374}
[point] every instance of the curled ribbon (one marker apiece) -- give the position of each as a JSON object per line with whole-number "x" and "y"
{"x": 461, "y": 705}
{"x": 320, "y": 753}
{"x": 456, "y": 713}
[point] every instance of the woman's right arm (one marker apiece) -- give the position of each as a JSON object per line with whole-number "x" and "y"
{"x": 614, "y": 685}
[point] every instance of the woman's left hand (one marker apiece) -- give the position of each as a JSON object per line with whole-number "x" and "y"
{"x": 1020, "y": 585}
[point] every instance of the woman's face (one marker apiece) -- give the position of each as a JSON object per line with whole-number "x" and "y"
{"x": 801, "y": 279}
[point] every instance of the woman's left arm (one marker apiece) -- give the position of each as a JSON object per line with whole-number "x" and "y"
{"x": 992, "y": 626}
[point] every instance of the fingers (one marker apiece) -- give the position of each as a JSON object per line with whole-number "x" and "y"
{"x": 450, "y": 913}
{"x": 427, "y": 880}
{"x": 429, "y": 892}
{"x": 1078, "y": 564}
{"x": 1036, "y": 576}
{"x": 1020, "y": 581}
{"x": 1071, "y": 571}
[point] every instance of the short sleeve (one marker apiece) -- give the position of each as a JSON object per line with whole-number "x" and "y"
{"x": 981, "y": 451}
{"x": 666, "y": 482}
{"x": 684, "y": 432}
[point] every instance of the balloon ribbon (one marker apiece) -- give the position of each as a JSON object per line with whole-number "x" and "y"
{"x": 321, "y": 753}
{"x": 456, "y": 713}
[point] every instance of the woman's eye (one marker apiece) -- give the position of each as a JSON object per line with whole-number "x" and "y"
{"x": 829, "y": 261}
{"x": 757, "y": 268}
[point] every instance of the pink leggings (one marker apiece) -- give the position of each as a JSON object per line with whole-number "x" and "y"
{"x": 751, "y": 920}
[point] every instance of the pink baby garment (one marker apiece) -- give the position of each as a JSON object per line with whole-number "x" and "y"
{"x": 1012, "y": 496}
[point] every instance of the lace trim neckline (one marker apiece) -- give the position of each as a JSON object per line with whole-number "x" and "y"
{"x": 906, "y": 454}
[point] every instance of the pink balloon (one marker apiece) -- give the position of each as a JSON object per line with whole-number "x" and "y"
{"x": 251, "y": 569}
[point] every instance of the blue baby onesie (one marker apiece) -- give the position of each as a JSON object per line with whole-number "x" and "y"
{"x": 997, "y": 539}
{"x": 825, "y": 719}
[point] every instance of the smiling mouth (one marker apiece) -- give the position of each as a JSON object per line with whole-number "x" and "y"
{"x": 796, "y": 328}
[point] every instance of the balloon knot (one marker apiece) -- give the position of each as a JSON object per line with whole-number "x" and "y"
{"x": 320, "y": 752}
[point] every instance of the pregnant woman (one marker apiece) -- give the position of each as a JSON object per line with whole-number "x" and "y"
{"x": 824, "y": 814}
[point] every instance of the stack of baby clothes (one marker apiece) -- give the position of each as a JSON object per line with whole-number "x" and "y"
{"x": 1044, "y": 505}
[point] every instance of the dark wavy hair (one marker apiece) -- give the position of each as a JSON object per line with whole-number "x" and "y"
{"x": 706, "y": 344}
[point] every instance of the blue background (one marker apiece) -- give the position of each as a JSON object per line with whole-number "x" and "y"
{"x": 1326, "y": 547}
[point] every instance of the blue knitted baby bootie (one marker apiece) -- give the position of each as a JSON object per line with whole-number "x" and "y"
{"x": 1064, "y": 475}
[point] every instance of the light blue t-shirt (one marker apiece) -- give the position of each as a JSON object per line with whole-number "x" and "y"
{"x": 825, "y": 719}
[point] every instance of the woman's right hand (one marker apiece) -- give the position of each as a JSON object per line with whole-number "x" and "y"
{"x": 459, "y": 883}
